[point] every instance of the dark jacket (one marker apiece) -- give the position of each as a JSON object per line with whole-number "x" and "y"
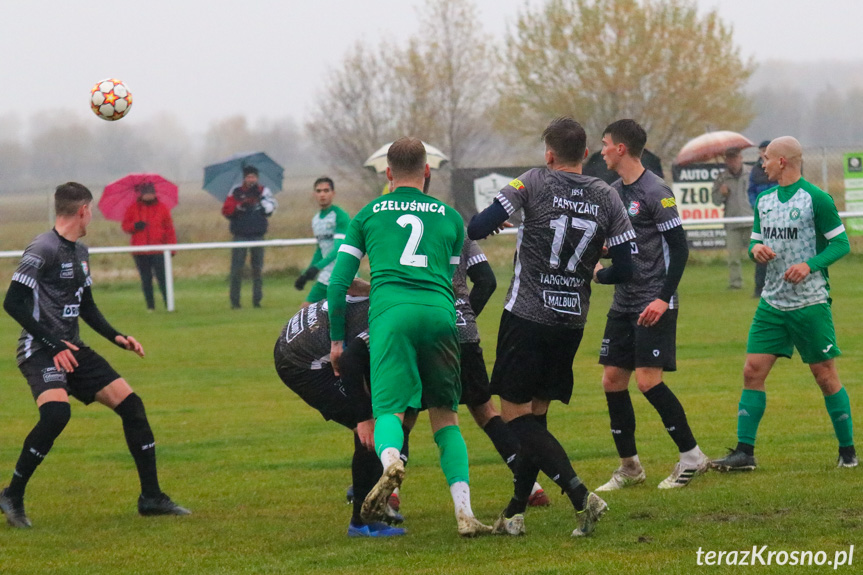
{"x": 248, "y": 210}
{"x": 758, "y": 182}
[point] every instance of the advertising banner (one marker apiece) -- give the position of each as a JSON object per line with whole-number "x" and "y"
{"x": 692, "y": 185}
{"x": 854, "y": 191}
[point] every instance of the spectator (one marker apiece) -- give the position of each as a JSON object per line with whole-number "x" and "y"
{"x": 248, "y": 206}
{"x": 730, "y": 190}
{"x": 149, "y": 222}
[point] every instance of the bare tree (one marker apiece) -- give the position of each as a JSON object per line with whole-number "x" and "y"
{"x": 438, "y": 88}
{"x": 353, "y": 114}
{"x": 656, "y": 61}
{"x": 460, "y": 59}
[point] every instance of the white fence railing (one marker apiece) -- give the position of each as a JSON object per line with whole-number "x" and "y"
{"x": 168, "y": 248}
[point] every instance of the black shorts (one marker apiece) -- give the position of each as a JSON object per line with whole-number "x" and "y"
{"x": 534, "y": 360}
{"x": 92, "y": 375}
{"x": 475, "y": 390}
{"x": 628, "y": 345}
{"x": 323, "y": 390}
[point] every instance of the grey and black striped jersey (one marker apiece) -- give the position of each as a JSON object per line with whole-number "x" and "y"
{"x": 305, "y": 339}
{"x": 57, "y": 271}
{"x": 567, "y": 219}
{"x": 652, "y": 210}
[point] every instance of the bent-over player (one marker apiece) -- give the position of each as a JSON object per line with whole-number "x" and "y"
{"x": 302, "y": 359}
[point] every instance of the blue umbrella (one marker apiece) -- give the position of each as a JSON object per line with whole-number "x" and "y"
{"x": 224, "y": 176}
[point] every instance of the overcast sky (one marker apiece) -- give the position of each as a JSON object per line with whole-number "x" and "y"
{"x": 205, "y": 60}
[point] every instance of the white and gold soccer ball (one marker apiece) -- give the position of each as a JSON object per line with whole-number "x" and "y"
{"x": 110, "y": 99}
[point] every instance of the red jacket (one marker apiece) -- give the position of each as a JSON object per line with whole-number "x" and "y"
{"x": 159, "y": 228}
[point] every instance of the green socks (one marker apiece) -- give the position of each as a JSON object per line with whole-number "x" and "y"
{"x": 388, "y": 433}
{"x": 453, "y": 454}
{"x": 750, "y": 410}
{"x": 839, "y": 408}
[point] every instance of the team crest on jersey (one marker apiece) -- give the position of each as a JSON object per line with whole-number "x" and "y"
{"x": 85, "y": 268}
{"x": 634, "y": 208}
{"x": 794, "y": 214}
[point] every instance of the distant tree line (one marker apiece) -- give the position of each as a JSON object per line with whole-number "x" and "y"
{"x": 54, "y": 146}
{"x": 483, "y": 100}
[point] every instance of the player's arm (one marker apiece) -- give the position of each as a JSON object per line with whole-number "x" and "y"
{"x": 758, "y": 252}
{"x": 310, "y": 272}
{"x": 508, "y": 200}
{"x": 93, "y": 317}
{"x": 829, "y": 225}
{"x": 19, "y": 305}
{"x": 487, "y": 221}
{"x": 347, "y": 264}
{"x": 620, "y": 270}
{"x": 484, "y": 284}
{"x": 355, "y": 375}
{"x": 455, "y": 257}
{"x": 678, "y": 254}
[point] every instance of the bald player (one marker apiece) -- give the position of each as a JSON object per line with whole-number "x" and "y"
{"x": 798, "y": 234}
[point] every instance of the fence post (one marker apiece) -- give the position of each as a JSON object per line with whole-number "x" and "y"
{"x": 169, "y": 280}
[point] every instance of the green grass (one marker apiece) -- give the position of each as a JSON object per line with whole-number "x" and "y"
{"x": 265, "y": 475}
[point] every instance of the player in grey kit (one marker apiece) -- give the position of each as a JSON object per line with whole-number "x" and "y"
{"x": 567, "y": 219}
{"x": 50, "y": 290}
{"x": 640, "y": 334}
{"x": 302, "y": 361}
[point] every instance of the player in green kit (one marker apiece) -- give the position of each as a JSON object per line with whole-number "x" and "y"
{"x": 329, "y": 226}
{"x": 798, "y": 234}
{"x": 414, "y": 245}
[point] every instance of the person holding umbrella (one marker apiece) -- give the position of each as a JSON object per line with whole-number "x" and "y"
{"x": 149, "y": 222}
{"x": 730, "y": 190}
{"x": 248, "y": 207}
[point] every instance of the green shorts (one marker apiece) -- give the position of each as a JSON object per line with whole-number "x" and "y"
{"x": 415, "y": 359}
{"x": 809, "y": 329}
{"x": 317, "y": 293}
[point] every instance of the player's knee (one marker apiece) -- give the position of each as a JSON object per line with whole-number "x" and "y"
{"x": 54, "y": 416}
{"x": 482, "y": 413}
{"x": 131, "y": 410}
{"x": 754, "y": 375}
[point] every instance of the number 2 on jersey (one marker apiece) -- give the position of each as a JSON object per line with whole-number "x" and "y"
{"x": 409, "y": 256}
{"x": 560, "y": 227}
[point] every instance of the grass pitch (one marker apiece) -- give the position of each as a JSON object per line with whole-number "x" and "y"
{"x": 265, "y": 475}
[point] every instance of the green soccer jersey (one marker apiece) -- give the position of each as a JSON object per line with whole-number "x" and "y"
{"x": 414, "y": 244}
{"x": 329, "y": 226}
{"x": 801, "y": 224}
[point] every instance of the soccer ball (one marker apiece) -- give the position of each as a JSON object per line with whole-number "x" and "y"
{"x": 110, "y": 99}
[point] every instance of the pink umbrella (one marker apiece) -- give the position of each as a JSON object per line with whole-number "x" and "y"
{"x": 710, "y": 145}
{"x": 119, "y": 195}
